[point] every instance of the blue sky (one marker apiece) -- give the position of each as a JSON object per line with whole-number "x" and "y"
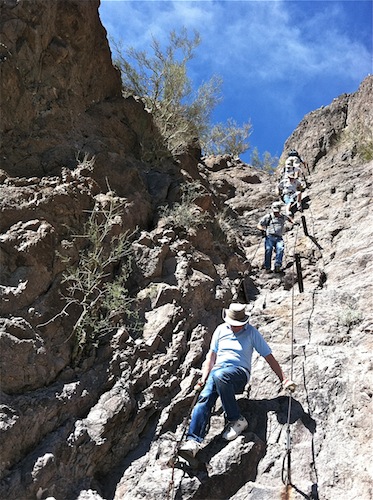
{"x": 279, "y": 59}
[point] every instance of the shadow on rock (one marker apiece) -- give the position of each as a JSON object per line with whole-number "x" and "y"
{"x": 228, "y": 466}
{"x": 222, "y": 467}
{"x": 256, "y": 412}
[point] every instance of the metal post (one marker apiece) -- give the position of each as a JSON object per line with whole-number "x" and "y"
{"x": 304, "y": 225}
{"x": 299, "y": 272}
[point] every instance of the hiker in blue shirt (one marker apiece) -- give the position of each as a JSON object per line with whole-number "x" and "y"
{"x": 272, "y": 226}
{"x": 225, "y": 373}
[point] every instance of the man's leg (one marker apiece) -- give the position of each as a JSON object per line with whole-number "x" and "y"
{"x": 268, "y": 247}
{"x": 279, "y": 253}
{"x": 201, "y": 412}
{"x": 299, "y": 200}
{"x": 287, "y": 201}
{"x": 230, "y": 381}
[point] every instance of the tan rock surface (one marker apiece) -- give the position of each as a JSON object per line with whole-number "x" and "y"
{"x": 107, "y": 427}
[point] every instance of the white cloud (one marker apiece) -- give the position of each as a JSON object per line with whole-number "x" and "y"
{"x": 262, "y": 38}
{"x": 289, "y": 56}
{"x": 265, "y": 41}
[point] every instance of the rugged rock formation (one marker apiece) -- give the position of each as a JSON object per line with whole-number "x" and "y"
{"x": 106, "y": 425}
{"x": 61, "y": 96}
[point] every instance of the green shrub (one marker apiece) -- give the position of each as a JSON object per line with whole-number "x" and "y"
{"x": 365, "y": 149}
{"x": 360, "y": 139}
{"x": 267, "y": 162}
{"x": 349, "y": 316}
{"x": 161, "y": 81}
{"x": 186, "y": 214}
{"x": 348, "y": 312}
{"x": 227, "y": 138}
{"x": 96, "y": 284}
{"x": 181, "y": 113}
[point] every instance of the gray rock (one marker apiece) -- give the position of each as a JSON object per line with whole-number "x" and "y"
{"x": 108, "y": 427}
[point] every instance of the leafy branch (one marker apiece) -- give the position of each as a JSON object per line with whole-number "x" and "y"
{"x": 187, "y": 214}
{"x": 97, "y": 284}
{"x": 181, "y": 112}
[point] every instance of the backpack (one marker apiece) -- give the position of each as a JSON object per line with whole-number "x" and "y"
{"x": 293, "y": 152}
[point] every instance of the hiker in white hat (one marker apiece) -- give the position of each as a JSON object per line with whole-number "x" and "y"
{"x": 225, "y": 373}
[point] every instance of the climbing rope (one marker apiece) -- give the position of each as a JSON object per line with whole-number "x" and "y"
{"x": 170, "y": 493}
{"x": 314, "y": 491}
{"x": 287, "y": 479}
{"x": 286, "y": 465}
{"x": 296, "y": 264}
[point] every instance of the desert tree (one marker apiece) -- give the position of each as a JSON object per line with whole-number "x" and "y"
{"x": 227, "y": 138}
{"x": 265, "y": 162}
{"x": 161, "y": 80}
{"x": 159, "y": 77}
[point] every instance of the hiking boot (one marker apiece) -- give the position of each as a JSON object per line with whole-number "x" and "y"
{"x": 235, "y": 428}
{"x": 277, "y": 269}
{"x": 190, "y": 448}
{"x": 268, "y": 270}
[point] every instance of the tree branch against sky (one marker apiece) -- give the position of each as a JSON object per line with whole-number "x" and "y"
{"x": 182, "y": 113}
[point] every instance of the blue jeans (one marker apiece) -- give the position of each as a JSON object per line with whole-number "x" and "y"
{"x": 277, "y": 243}
{"x": 290, "y": 198}
{"x": 224, "y": 382}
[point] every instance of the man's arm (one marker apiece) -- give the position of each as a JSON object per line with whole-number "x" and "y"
{"x": 273, "y": 363}
{"x": 263, "y": 223}
{"x": 206, "y": 368}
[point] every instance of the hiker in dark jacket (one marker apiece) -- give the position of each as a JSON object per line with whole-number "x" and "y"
{"x": 272, "y": 226}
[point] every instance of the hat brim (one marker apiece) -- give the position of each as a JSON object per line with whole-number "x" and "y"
{"x": 234, "y": 322}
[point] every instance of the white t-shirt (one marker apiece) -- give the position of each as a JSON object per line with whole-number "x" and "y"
{"x": 237, "y": 348}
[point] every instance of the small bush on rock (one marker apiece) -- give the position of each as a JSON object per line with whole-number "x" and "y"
{"x": 186, "y": 214}
{"x": 348, "y": 312}
{"x": 97, "y": 283}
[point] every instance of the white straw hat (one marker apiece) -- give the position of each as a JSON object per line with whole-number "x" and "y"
{"x": 236, "y": 315}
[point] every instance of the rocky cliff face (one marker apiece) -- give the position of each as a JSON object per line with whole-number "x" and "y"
{"x": 106, "y": 425}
